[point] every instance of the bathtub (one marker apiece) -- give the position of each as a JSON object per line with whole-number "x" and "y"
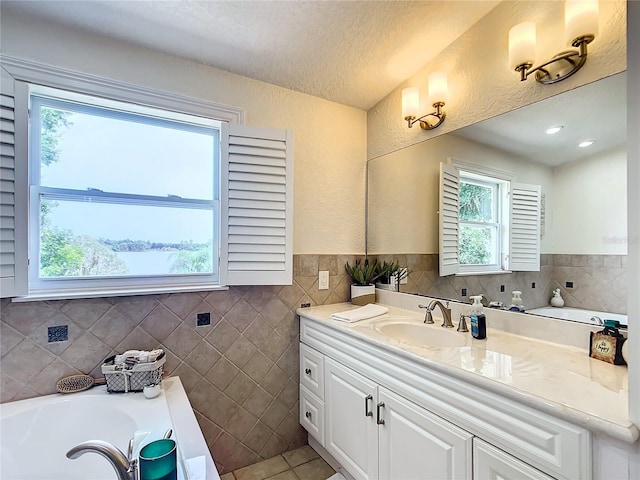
{"x": 578, "y": 315}
{"x": 35, "y": 434}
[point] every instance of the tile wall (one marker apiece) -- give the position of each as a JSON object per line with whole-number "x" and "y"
{"x": 240, "y": 372}
{"x": 597, "y": 282}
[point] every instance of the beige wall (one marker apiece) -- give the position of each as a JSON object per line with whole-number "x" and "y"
{"x": 404, "y": 186}
{"x": 330, "y": 139}
{"x": 482, "y": 86}
{"x": 588, "y": 214}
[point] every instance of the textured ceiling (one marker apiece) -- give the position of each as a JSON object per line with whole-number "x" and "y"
{"x": 597, "y": 111}
{"x": 350, "y": 52}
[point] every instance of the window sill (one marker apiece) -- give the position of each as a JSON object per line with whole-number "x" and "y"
{"x": 488, "y": 272}
{"x": 115, "y": 292}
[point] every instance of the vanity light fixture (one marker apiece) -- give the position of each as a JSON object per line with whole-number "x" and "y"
{"x": 438, "y": 93}
{"x": 581, "y": 27}
{"x": 553, "y": 130}
{"x": 586, "y": 143}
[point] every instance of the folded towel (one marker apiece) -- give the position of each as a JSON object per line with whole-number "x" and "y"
{"x": 362, "y": 313}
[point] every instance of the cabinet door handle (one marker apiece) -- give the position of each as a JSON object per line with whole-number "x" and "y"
{"x": 308, "y": 415}
{"x": 380, "y": 421}
{"x": 367, "y": 412}
{"x": 307, "y": 371}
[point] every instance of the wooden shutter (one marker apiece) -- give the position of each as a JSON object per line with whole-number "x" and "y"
{"x": 448, "y": 220}
{"x": 256, "y": 206}
{"x": 13, "y": 188}
{"x": 524, "y": 229}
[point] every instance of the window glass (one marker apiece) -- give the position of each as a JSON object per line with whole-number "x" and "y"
{"x": 479, "y": 223}
{"x": 88, "y": 239}
{"x": 478, "y": 245}
{"x": 477, "y": 202}
{"x": 86, "y": 147}
{"x": 119, "y": 195}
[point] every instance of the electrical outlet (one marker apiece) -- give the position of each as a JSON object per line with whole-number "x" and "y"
{"x": 305, "y": 305}
{"x": 323, "y": 280}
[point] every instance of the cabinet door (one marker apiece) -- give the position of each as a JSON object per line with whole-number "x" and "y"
{"x": 312, "y": 370}
{"x": 416, "y": 444}
{"x": 491, "y": 463}
{"x": 350, "y": 424}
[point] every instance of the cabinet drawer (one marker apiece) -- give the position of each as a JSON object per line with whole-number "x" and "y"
{"x": 490, "y": 463}
{"x": 312, "y": 370}
{"x": 312, "y": 414}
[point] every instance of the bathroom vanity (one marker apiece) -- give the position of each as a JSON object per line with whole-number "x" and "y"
{"x": 394, "y": 398}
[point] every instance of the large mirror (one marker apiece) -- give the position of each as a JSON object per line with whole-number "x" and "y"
{"x": 583, "y": 241}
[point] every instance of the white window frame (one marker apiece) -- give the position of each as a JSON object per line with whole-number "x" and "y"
{"x": 521, "y": 212}
{"x": 501, "y": 226}
{"x": 25, "y": 72}
{"x": 44, "y": 96}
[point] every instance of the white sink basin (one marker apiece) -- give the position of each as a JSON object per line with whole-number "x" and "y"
{"x": 419, "y": 334}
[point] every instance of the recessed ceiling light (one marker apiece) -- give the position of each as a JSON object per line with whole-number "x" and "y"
{"x": 554, "y": 130}
{"x": 586, "y": 143}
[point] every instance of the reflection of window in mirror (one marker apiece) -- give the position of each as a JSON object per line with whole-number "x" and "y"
{"x": 483, "y": 225}
{"x": 488, "y": 223}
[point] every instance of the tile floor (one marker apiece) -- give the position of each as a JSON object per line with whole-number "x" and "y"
{"x": 300, "y": 464}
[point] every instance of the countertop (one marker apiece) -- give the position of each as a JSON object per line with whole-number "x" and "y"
{"x": 557, "y": 379}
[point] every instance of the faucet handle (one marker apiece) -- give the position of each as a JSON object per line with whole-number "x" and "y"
{"x": 462, "y": 325}
{"x": 427, "y": 314}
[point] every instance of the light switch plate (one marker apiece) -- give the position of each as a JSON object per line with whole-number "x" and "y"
{"x": 404, "y": 278}
{"x": 323, "y": 280}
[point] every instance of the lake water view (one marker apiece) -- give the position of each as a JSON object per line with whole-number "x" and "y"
{"x": 151, "y": 262}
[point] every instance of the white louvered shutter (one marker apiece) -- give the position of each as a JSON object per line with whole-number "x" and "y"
{"x": 13, "y": 191}
{"x": 525, "y": 227}
{"x": 256, "y": 206}
{"x": 448, "y": 220}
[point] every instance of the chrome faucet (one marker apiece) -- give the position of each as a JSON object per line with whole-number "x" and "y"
{"x": 126, "y": 468}
{"x": 597, "y": 320}
{"x": 446, "y": 313}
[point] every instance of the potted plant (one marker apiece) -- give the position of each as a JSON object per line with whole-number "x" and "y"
{"x": 363, "y": 275}
{"x": 390, "y": 274}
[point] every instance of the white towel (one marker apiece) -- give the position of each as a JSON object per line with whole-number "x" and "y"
{"x": 362, "y": 313}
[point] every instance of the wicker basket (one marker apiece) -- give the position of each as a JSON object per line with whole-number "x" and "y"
{"x": 122, "y": 379}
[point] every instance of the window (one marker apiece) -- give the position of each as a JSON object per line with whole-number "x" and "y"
{"x": 481, "y": 204}
{"x": 116, "y": 189}
{"x": 487, "y": 224}
{"x": 120, "y": 194}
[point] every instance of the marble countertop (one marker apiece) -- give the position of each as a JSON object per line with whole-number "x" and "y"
{"x": 557, "y": 379}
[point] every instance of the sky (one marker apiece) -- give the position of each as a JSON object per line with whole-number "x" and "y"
{"x": 121, "y": 156}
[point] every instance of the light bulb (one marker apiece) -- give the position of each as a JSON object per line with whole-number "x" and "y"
{"x": 522, "y": 44}
{"x": 580, "y": 18}
{"x": 438, "y": 88}
{"x": 410, "y": 102}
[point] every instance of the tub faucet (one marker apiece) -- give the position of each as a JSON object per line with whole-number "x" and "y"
{"x": 125, "y": 467}
{"x": 597, "y": 320}
{"x": 446, "y": 313}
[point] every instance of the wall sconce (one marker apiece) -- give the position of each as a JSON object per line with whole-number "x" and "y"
{"x": 438, "y": 93}
{"x": 581, "y": 27}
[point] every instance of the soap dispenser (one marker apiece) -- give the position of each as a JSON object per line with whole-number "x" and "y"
{"x": 477, "y": 318}
{"x": 516, "y": 301}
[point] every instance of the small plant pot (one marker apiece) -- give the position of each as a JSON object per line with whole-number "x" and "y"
{"x": 363, "y": 295}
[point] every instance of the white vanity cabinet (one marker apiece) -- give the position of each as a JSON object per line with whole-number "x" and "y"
{"x": 374, "y": 433}
{"x": 380, "y": 414}
{"x": 490, "y": 463}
